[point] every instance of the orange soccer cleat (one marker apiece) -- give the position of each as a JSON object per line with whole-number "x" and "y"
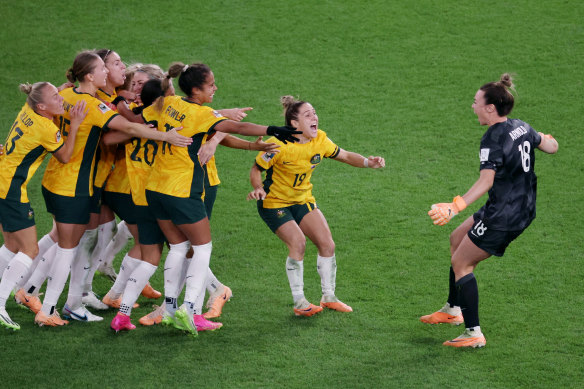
{"x": 150, "y": 293}
{"x": 216, "y": 302}
{"x": 30, "y": 301}
{"x": 154, "y": 317}
{"x": 115, "y": 303}
{"x": 53, "y": 320}
{"x": 468, "y": 339}
{"x": 307, "y": 309}
{"x": 337, "y": 306}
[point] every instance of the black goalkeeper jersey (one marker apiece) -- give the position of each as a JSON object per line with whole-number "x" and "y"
{"x": 508, "y": 148}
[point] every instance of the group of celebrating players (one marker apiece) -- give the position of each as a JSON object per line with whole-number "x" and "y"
{"x": 124, "y": 144}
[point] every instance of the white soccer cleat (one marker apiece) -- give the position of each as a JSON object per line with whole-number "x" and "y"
{"x": 6, "y": 321}
{"x": 80, "y": 314}
{"x": 91, "y": 300}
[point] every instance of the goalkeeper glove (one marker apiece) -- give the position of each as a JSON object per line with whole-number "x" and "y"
{"x": 443, "y": 212}
{"x": 283, "y": 134}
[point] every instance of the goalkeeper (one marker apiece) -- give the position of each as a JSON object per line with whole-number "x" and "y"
{"x": 507, "y": 156}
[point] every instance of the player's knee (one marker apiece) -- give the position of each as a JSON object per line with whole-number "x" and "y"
{"x": 32, "y": 251}
{"x": 327, "y": 249}
{"x": 298, "y": 247}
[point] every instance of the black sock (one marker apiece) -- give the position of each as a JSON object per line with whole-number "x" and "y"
{"x": 452, "y": 295}
{"x": 468, "y": 294}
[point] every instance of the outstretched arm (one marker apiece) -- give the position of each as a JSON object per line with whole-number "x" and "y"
{"x": 284, "y": 134}
{"x": 143, "y": 131}
{"x": 357, "y": 160}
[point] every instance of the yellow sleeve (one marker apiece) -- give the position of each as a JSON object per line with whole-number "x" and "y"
{"x": 267, "y": 160}
{"x": 51, "y": 139}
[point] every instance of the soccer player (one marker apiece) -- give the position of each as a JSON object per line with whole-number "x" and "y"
{"x": 116, "y": 193}
{"x": 68, "y": 189}
{"x": 286, "y": 204}
{"x": 219, "y": 293}
{"x": 140, "y": 155}
{"x": 32, "y": 135}
{"x": 175, "y": 189}
{"x": 136, "y": 75}
{"x": 507, "y": 157}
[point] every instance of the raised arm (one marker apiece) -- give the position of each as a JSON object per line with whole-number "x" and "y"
{"x": 357, "y": 160}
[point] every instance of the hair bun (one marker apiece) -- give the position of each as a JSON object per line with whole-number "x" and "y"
{"x": 506, "y": 80}
{"x": 287, "y": 101}
{"x": 25, "y": 88}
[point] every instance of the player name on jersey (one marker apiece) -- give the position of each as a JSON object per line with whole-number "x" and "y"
{"x": 173, "y": 113}
{"x": 516, "y": 133}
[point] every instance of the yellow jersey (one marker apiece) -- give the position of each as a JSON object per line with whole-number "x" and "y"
{"x": 212, "y": 176}
{"x": 106, "y": 155}
{"x": 28, "y": 141}
{"x": 177, "y": 170}
{"x": 76, "y": 177}
{"x": 288, "y": 172}
{"x": 118, "y": 180}
{"x": 140, "y": 155}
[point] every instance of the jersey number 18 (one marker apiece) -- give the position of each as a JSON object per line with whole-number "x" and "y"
{"x": 525, "y": 149}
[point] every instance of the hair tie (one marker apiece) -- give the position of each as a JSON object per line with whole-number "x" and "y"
{"x": 185, "y": 68}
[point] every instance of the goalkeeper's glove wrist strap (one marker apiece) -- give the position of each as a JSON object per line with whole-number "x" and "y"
{"x": 459, "y": 202}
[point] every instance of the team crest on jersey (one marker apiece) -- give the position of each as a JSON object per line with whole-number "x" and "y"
{"x": 315, "y": 159}
{"x": 58, "y": 136}
{"x": 103, "y": 108}
{"x": 484, "y": 155}
{"x": 217, "y": 114}
{"x": 268, "y": 156}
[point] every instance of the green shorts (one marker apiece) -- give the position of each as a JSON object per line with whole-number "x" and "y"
{"x": 68, "y": 210}
{"x": 15, "y": 216}
{"x": 96, "y": 199}
{"x": 149, "y": 231}
{"x": 121, "y": 204}
{"x": 210, "y": 196}
{"x": 275, "y": 217}
{"x": 179, "y": 210}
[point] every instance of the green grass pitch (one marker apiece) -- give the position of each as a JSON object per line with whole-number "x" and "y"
{"x": 389, "y": 78}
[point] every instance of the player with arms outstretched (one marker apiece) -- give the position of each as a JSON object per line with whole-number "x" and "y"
{"x": 507, "y": 157}
{"x": 286, "y": 204}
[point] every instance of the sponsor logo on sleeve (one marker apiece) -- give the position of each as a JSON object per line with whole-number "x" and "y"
{"x": 103, "y": 108}
{"x": 268, "y": 156}
{"x": 58, "y": 136}
{"x": 484, "y": 155}
{"x": 217, "y": 114}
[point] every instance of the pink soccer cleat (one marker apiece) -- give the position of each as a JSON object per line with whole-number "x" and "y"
{"x": 122, "y": 322}
{"x": 203, "y": 324}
